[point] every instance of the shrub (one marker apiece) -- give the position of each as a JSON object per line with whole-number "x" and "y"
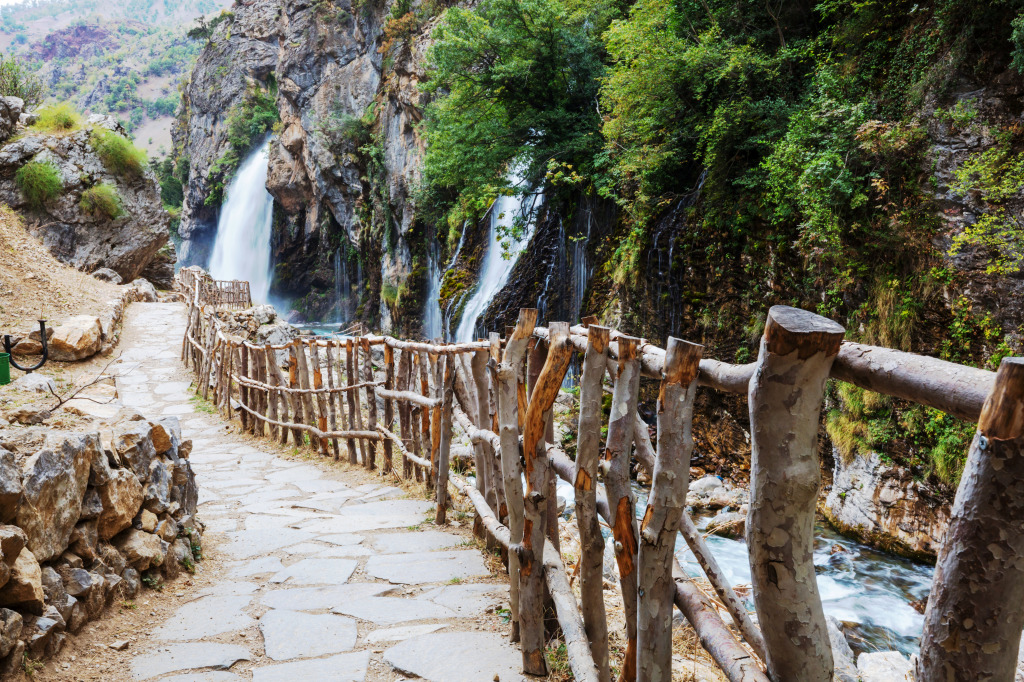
{"x": 39, "y": 181}
{"x": 102, "y": 201}
{"x": 118, "y": 154}
{"x": 58, "y": 118}
{"x": 17, "y": 81}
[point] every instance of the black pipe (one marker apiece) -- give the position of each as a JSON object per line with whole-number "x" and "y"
{"x": 46, "y": 350}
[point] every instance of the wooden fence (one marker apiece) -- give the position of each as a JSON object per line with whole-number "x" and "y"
{"x": 501, "y": 392}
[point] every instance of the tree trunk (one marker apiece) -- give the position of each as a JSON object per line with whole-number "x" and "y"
{"x": 665, "y": 508}
{"x": 785, "y": 397}
{"x": 371, "y": 402}
{"x": 588, "y": 447}
{"x": 445, "y": 443}
{"x": 975, "y": 611}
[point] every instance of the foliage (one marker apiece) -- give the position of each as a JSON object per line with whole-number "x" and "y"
{"x": 102, "y": 201}
{"x": 248, "y": 123}
{"x": 118, "y": 154}
{"x": 58, "y": 118}
{"x": 39, "y": 181}
{"x": 18, "y": 80}
{"x": 172, "y": 191}
{"x": 203, "y": 29}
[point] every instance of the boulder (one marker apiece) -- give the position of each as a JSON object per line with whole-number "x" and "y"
{"x": 25, "y": 587}
{"x": 12, "y": 541}
{"x": 146, "y": 291}
{"x": 107, "y": 275}
{"x": 130, "y": 583}
{"x": 40, "y": 383}
{"x": 85, "y": 541}
{"x": 185, "y": 491}
{"x": 883, "y": 666}
{"x": 79, "y": 338}
{"x": 14, "y": 664}
{"x": 54, "y": 484}
{"x": 121, "y": 497}
{"x": 141, "y": 549}
{"x": 158, "y": 490}
{"x": 706, "y": 485}
{"x": 166, "y": 435}
{"x": 11, "y": 624}
{"x": 842, "y": 654}
{"x": 134, "y": 445}
{"x": 27, "y": 347}
{"x": 10, "y": 115}
{"x": 10, "y": 485}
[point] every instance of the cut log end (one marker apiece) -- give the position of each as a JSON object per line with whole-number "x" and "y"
{"x": 1002, "y": 417}
{"x": 598, "y": 337}
{"x": 682, "y": 361}
{"x": 791, "y": 329}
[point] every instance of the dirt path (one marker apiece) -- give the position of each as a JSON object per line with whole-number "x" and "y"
{"x": 311, "y": 570}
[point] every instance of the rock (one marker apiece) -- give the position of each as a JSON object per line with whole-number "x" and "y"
{"x": 130, "y": 583}
{"x": 428, "y": 567}
{"x": 96, "y": 599}
{"x": 27, "y": 347}
{"x": 122, "y": 496}
{"x": 158, "y": 491}
{"x": 142, "y": 550}
{"x": 728, "y": 524}
{"x": 883, "y": 666}
{"x": 11, "y": 624}
{"x": 71, "y": 559}
{"x": 40, "y": 383}
{"x": 134, "y": 445}
{"x": 29, "y": 415}
{"x": 38, "y": 634}
{"x": 160, "y": 270}
{"x": 67, "y": 608}
{"x": 25, "y": 587}
{"x": 107, "y": 275}
{"x": 188, "y": 656}
{"x": 842, "y": 654}
{"x": 10, "y": 115}
{"x": 456, "y": 657}
{"x": 54, "y": 592}
{"x": 185, "y": 449}
{"x": 166, "y": 435}
{"x": 79, "y": 338}
{"x": 119, "y": 644}
{"x": 92, "y": 505}
{"x": 185, "y": 491}
{"x": 12, "y": 541}
{"x": 78, "y": 583}
{"x": 112, "y": 559}
{"x": 167, "y": 528}
{"x": 100, "y": 470}
{"x": 292, "y": 634}
{"x": 706, "y": 485}
{"x": 10, "y": 485}
{"x": 147, "y": 292}
{"x": 147, "y": 521}
{"x": 79, "y": 616}
{"x": 85, "y": 541}
{"x": 54, "y": 485}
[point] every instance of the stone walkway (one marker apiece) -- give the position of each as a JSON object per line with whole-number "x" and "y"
{"x": 317, "y": 574}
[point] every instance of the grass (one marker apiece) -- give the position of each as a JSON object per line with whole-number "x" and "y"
{"x": 39, "y": 181}
{"x": 102, "y": 201}
{"x": 201, "y": 405}
{"x": 118, "y": 154}
{"x": 58, "y": 118}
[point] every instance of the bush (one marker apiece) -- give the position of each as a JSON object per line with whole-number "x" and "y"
{"x": 17, "y": 81}
{"x": 118, "y": 154}
{"x": 58, "y": 118}
{"x": 102, "y": 201}
{"x": 39, "y": 181}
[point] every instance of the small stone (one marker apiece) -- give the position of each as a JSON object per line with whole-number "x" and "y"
{"x": 112, "y": 559}
{"x": 119, "y": 645}
{"x": 11, "y": 624}
{"x": 84, "y": 540}
{"x": 133, "y": 444}
{"x": 10, "y": 485}
{"x": 12, "y": 541}
{"x": 92, "y": 505}
{"x": 130, "y": 583}
{"x": 107, "y": 275}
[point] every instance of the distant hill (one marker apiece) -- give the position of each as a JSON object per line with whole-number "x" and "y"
{"x": 122, "y": 58}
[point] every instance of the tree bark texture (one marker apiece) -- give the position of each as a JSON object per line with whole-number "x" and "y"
{"x": 445, "y": 440}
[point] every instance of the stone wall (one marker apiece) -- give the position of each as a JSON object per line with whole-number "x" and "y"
{"x": 86, "y": 520}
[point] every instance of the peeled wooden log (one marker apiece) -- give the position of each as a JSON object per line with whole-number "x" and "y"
{"x": 531, "y": 579}
{"x": 317, "y": 433}
{"x": 510, "y": 373}
{"x": 321, "y": 402}
{"x": 401, "y": 447}
{"x": 445, "y": 441}
{"x": 666, "y": 506}
{"x": 492, "y": 524}
{"x": 389, "y": 406}
{"x": 371, "y": 401}
{"x": 332, "y": 399}
{"x": 476, "y": 435}
{"x": 975, "y": 610}
{"x": 785, "y": 399}
{"x": 406, "y": 396}
{"x": 440, "y": 349}
{"x": 584, "y": 480}
{"x": 581, "y": 662}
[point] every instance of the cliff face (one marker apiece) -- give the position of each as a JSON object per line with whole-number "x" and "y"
{"x": 344, "y": 157}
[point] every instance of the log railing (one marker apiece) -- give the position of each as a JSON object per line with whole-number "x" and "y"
{"x": 500, "y": 394}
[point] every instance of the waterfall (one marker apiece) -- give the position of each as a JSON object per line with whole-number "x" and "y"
{"x": 496, "y": 267}
{"x": 432, "y": 309}
{"x": 242, "y": 247}
{"x": 342, "y": 289}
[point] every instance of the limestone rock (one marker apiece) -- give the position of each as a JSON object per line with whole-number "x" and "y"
{"x": 25, "y": 587}
{"x": 78, "y": 583}
{"x": 147, "y": 521}
{"x": 842, "y": 654}
{"x": 158, "y": 491}
{"x": 142, "y": 550}
{"x": 10, "y": 485}
{"x": 85, "y": 540}
{"x": 11, "y": 623}
{"x": 10, "y": 115}
{"x": 122, "y": 496}
{"x": 99, "y": 468}
{"x": 92, "y": 505}
{"x": 166, "y": 435}
{"x": 133, "y": 443}
{"x": 107, "y": 275}
{"x": 130, "y": 582}
{"x": 147, "y": 292}
{"x": 29, "y": 415}
{"x": 40, "y": 383}
{"x": 12, "y": 541}
{"x": 185, "y": 491}
{"x": 883, "y": 666}
{"x": 54, "y": 484}
{"x": 112, "y": 559}
{"x": 53, "y": 587}
{"x": 79, "y": 338}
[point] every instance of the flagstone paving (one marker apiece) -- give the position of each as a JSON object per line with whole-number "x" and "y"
{"x": 317, "y": 574}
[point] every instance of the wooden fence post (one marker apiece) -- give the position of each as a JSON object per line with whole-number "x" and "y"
{"x": 263, "y": 396}
{"x": 278, "y": 403}
{"x": 389, "y": 405}
{"x": 318, "y": 385}
{"x": 588, "y": 447}
{"x": 665, "y": 507}
{"x": 308, "y": 409}
{"x": 298, "y": 435}
{"x": 371, "y": 402}
{"x": 621, "y": 501}
{"x": 975, "y": 611}
{"x": 425, "y": 439}
{"x": 243, "y": 390}
{"x": 445, "y": 439}
{"x": 531, "y": 578}
{"x": 332, "y": 397}
{"x": 404, "y": 372}
{"x": 355, "y": 409}
{"x": 510, "y": 374}
{"x": 785, "y": 397}
{"x": 478, "y": 369}
{"x": 348, "y": 418}
{"x": 494, "y": 357}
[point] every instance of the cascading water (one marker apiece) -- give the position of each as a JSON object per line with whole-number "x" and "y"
{"x": 342, "y": 289}
{"x": 242, "y": 247}
{"x": 496, "y": 267}
{"x": 432, "y": 308}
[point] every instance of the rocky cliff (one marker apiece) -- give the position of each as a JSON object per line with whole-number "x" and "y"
{"x": 124, "y": 235}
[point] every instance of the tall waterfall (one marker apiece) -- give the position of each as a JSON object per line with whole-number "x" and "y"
{"x": 242, "y": 248}
{"x": 342, "y": 289}
{"x": 496, "y": 267}
{"x": 432, "y": 309}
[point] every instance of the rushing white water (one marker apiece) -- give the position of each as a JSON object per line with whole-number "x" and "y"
{"x": 242, "y": 247}
{"x": 432, "y": 308}
{"x": 496, "y": 267}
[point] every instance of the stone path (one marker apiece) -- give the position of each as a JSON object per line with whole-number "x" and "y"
{"x": 317, "y": 573}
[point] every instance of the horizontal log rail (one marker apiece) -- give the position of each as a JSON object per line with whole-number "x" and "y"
{"x": 327, "y": 392}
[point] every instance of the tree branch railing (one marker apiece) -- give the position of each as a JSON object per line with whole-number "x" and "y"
{"x": 500, "y": 394}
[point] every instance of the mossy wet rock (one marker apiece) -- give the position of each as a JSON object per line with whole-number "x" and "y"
{"x": 78, "y": 338}
{"x": 54, "y": 484}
